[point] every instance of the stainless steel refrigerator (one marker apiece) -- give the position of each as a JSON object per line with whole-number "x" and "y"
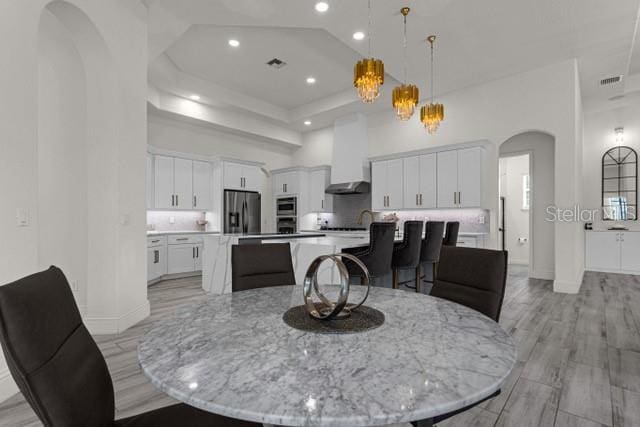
{"x": 241, "y": 212}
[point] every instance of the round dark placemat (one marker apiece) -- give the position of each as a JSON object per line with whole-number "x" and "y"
{"x": 363, "y": 319}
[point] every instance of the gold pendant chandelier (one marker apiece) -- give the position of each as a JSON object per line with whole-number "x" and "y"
{"x": 368, "y": 73}
{"x": 405, "y": 97}
{"x": 433, "y": 113}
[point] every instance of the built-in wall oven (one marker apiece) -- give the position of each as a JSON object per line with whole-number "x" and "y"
{"x": 287, "y": 206}
{"x": 287, "y": 225}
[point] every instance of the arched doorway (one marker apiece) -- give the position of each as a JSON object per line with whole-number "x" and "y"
{"x": 77, "y": 158}
{"x": 538, "y": 148}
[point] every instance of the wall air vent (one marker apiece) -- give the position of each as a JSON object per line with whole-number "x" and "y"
{"x": 610, "y": 80}
{"x": 276, "y": 63}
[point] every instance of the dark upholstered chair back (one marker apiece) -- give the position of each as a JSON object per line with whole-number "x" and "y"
{"x": 51, "y": 355}
{"x": 261, "y": 266}
{"x": 451, "y": 234}
{"x": 432, "y": 242}
{"x": 472, "y": 277}
{"x": 407, "y": 253}
{"x": 377, "y": 256}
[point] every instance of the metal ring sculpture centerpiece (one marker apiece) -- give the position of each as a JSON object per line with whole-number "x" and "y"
{"x": 325, "y": 309}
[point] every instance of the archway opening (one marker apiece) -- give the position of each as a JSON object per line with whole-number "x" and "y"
{"x": 532, "y": 154}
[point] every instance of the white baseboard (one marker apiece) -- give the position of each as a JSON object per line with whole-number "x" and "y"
{"x": 542, "y": 274}
{"x": 115, "y": 325}
{"x": 519, "y": 261}
{"x": 569, "y": 287}
{"x": 8, "y": 386}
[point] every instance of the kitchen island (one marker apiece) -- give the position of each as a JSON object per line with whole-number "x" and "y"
{"x": 305, "y": 247}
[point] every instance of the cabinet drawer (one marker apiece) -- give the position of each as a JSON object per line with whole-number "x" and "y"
{"x": 181, "y": 239}
{"x": 155, "y": 241}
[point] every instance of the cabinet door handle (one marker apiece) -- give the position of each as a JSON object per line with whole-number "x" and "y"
{"x": 455, "y": 198}
{"x": 622, "y": 237}
{"x": 459, "y": 197}
{"x": 177, "y": 201}
{"x": 155, "y": 241}
{"x": 193, "y": 252}
{"x": 197, "y": 252}
{"x": 182, "y": 238}
{"x": 195, "y": 201}
{"x": 420, "y": 199}
{"x": 156, "y": 257}
{"x": 173, "y": 198}
{"x": 417, "y": 203}
{"x": 321, "y": 204}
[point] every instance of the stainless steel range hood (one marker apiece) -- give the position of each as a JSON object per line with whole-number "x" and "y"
{"x": 358, "y": 187}
{"x": 350, "y": 167}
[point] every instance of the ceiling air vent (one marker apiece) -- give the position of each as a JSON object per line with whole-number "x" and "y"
{"x": 610, "y": 80}
{"x": 276, "y": 63}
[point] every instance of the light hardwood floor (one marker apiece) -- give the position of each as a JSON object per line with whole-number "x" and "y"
{"x": 578, "y": 356}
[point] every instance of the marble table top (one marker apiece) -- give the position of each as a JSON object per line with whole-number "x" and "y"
{"x": 233, "y": 355}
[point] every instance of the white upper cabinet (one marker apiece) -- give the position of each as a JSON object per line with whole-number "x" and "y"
{"x": 149, "y": 183}
{"x": 420, "y": 182}
{"x": 182, "y": 183}
{"x": 447, "y": 179}
{"x": 286, "y": 183}
{"x": 165, "y": 196}
{"x": 202, "y": 185}
{"x": 470, "y": 177}
{"x": 387, "y": 190}
{"x": 460, "y": 178}
{"x": 319, "y": 201}
{"x": 241, "y": 177}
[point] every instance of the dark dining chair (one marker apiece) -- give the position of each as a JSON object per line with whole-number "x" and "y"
{"x": 406, "y": 254}
{"x": 475, "y": 278}
{"x": 60, "y": 369}
{"x": 430, "y": 251}
{"x": 261, "y": 266}
{"x": 451, "y": 233}
{"x": 472, "y": 277}
{"x": 378, "y": 254}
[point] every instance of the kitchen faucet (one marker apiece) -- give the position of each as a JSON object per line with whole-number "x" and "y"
{"x": 360, "y": 217}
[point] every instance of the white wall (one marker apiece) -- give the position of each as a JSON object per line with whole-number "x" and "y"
{"x": 540, "y": 146}
{"x": 546, "y": 99}
{"x": 110, "y": 38}
{"x": 62, "y": 155}
{"x": 512, "y": 169}
{"x": 599, "y": 137}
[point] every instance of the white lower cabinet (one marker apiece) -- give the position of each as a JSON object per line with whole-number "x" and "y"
{"x": 613, "y": 251}
{"x": 184, "y": 258}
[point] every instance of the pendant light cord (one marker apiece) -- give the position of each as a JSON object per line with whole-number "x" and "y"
{"x": 405, "y": 49}
{"x": 432, "y": 76}
{"x": 369, "y": 26}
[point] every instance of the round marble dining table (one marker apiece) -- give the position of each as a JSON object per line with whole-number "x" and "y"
{"x": 233, "y": 355}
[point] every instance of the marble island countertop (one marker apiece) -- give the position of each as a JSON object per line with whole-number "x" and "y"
{"x": 166, "y": 233}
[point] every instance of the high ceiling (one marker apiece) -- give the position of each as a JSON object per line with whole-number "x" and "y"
{"x": 477, "y": 42}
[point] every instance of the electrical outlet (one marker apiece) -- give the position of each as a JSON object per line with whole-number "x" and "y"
{"x": 172, "y": 220}
{"x": 481, "y": 219}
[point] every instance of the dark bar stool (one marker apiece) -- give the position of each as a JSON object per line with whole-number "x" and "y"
{"x": 451, "y": 233}
{"x": 430, "y": 251}
{"x": 260, "y": 266}
{"x": 406, "y": 254}
{"x": 378, "y": 255}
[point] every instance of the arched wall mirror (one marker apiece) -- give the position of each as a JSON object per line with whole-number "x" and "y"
{"x": 620, "y": 184}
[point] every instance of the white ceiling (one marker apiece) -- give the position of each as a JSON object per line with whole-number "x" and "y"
{"x": 478, "y": 41}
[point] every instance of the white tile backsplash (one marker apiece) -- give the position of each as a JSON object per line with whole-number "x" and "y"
{"x": 175, "y": 220}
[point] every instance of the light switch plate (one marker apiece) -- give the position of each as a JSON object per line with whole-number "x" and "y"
{"x": 22, "y": 217}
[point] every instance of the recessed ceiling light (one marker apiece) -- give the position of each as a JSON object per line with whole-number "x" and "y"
{"x": 307, "y": 122}
{"x": 322, "y": 6}
{"x": 311, "y": 80}
{"x": 358, "y": 35}
{"x": 234, "y": 43}
{"x": 195, "y": 97}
